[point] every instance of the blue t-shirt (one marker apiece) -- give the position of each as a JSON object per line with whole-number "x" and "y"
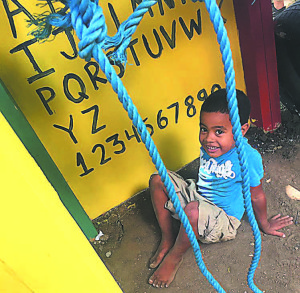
{"x": 220, "y": 181}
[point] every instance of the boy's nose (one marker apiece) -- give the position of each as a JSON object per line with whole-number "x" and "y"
{"x": 210, "y": 137}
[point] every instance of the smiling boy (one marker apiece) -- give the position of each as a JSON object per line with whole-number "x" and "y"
{"x": 214, "y": 203}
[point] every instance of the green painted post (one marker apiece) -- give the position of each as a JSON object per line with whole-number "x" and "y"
{"x": 26, "y": 134}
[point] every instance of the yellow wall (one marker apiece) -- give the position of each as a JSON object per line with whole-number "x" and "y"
{"x": 41, "y": 247}
{"x": 157, "y": 85}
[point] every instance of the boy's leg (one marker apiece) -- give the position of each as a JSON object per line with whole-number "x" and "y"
{"x": 159, "y": 198}
{"x": 165, "y": 273}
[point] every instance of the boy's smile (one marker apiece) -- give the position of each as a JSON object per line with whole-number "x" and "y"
{"x": 216, "y": 133}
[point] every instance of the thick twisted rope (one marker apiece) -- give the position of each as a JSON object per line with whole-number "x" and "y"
{"x": 223, "y": 40}
{"x": 123, "y": 37}
{"x": 96, "y": 32}
{"x": 87, "y": 18}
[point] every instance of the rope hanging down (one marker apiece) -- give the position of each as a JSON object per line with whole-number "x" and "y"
{"x": 223, "y": 40}
{"x": 87, "y": 18}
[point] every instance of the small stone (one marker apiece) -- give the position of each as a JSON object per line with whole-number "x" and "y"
{"x": 108, "y": 254}
{"x": 104, "y": 237}
{"x": 292, "y": 192}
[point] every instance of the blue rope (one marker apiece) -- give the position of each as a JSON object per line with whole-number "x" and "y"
{"x": 87, "y": 7}
{"x": 87, "y": 18}
{"x": 223, "y": 40}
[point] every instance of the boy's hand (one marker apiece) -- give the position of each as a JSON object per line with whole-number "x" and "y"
{"x": 272, "y": 225}
{"x": 275, "y": 223}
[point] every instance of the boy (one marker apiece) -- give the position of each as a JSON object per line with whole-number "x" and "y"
{"x": 214, "y": 204}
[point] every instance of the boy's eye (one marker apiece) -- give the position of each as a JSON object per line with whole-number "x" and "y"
{"x": 219, "y": 131}
{"x": 203, "y": 129}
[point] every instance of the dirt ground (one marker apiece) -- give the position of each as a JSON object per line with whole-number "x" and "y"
{"x": 131, "y": 234}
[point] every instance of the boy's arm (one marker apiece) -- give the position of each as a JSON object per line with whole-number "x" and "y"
{"x": 259, "y": 204}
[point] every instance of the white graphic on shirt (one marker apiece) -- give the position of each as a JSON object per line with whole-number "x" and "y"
{"x": 220, "y": 170}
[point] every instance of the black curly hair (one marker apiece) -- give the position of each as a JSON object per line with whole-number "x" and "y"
{"x": 217, "y": 102}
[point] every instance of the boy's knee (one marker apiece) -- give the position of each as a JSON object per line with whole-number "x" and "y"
{"x": 155, "y": 181}
{"x": 192, "y": 211}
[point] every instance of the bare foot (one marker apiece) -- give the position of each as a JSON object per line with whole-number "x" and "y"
{"x": 165, "y": 273}
{"x": 162, "y": 250}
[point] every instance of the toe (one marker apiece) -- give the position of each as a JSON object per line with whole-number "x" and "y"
{"x": 151, "y": 280}
{"x": 153, "y": 265}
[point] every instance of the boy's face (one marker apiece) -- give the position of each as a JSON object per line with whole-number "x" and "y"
{"x": 216, "y": 133}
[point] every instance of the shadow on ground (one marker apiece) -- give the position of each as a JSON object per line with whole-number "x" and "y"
{"x": 131, "y": 234}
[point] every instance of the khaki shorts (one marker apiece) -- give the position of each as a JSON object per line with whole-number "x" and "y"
{"x": 214, "y": 225}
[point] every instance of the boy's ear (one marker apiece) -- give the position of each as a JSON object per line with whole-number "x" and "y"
{"x": 245, "y": 128}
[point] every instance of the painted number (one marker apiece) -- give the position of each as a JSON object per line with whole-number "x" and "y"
{"x": 81, "y": 162}
{"x": 191, "y": 109}
{"x": 103, "y": 160}
{"x": 115, "y": 139}
{"x": 134, "y": 135}
{"x": 162, "y": 121}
